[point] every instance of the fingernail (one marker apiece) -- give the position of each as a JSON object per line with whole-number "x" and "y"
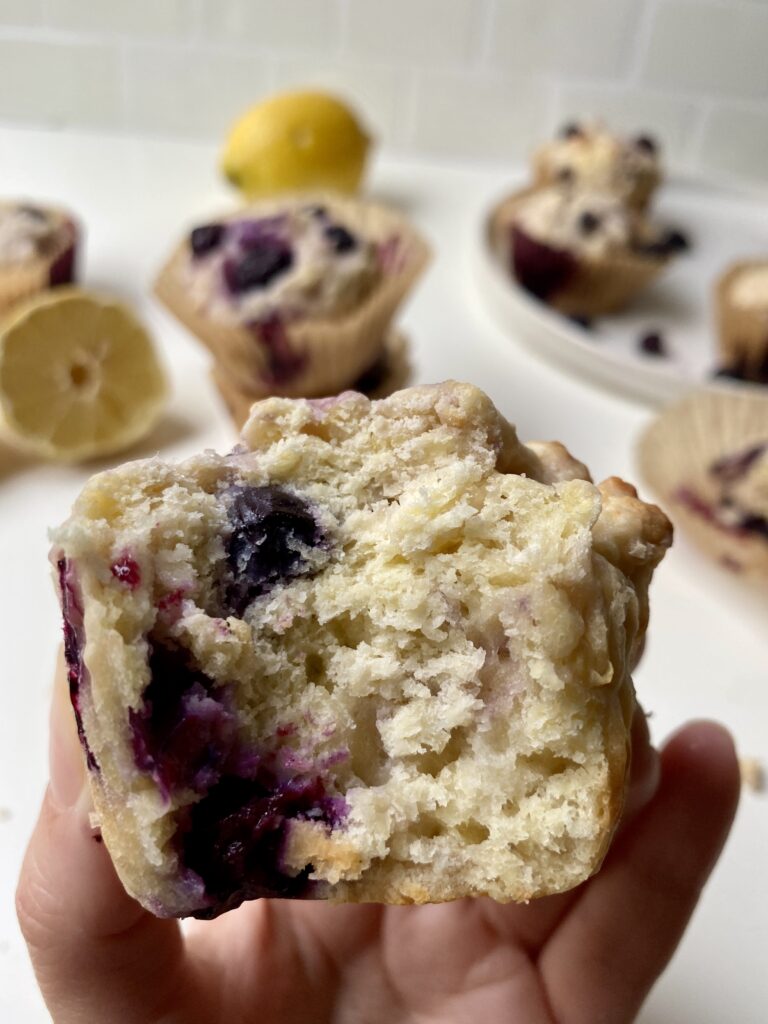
{"x": 66, "y": 760}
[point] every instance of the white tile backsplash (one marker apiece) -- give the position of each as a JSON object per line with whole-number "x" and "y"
{"x": 422, "y": 32}
{"x": 711, "y": 48}
{"x": 463, "y": 115}
{"x": 477, "y": 79}
{"x": 565, "y": 37}
{"x": 163, "y": 18}
{"x": 313, "y": 25}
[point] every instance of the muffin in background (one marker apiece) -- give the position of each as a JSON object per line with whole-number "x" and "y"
{"x": 294, "y": 297}
{"x": 585, "y": 253}
{"x": 38, "y": 249}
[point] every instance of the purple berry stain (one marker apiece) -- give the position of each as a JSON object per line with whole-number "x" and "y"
{"x": 127, "y": 571}
{"x": 269, "y": 526}
{"x": 74, "y": 642}
{"x": 185, "y": 733}
{"x": 283, "y": 363}
{"x": 234, "y": 838}
{"x": 540, "y": 269}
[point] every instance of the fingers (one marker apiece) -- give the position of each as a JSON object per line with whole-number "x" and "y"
{"x": 97, "y": 954}
{"x": 621, "y": 933}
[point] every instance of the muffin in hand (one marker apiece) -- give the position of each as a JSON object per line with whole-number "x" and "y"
{"x": 382, "y": 651}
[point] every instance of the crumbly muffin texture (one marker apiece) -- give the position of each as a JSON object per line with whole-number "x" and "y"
{"x": 382, "y": 651}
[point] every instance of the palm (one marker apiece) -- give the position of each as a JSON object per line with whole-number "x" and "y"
{"x": 589, "y": 955}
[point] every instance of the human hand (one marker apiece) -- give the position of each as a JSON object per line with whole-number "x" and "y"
{"x": 586, "y": 956}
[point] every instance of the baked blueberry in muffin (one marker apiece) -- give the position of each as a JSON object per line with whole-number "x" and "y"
{"x": 381, "y": 651}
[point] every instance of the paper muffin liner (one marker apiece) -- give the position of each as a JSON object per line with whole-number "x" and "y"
{"x": 319, "y": 354}
{"x": 742, "y": 332}
{"x": 574, "y": 285}
{"x": 675, "y": 455}
{"x": 389, "y": 373}
{"x": 23, "y": 280}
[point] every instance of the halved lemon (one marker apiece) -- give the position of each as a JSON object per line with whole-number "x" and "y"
{"x": 79, "y": 376}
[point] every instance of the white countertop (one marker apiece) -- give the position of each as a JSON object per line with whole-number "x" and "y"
{"x": 707, "y": 653}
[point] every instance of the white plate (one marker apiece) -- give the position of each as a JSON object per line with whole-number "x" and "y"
{"x": 723, "y": 224}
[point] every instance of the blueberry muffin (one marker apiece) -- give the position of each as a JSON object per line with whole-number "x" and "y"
{"x": 588, "y": 156}
{"x": 294, "y": 297}
{"x": 583, "y": 253}
{"x": 37, "y": 250}
{"x": 381, "y": 651}
{"x": 741, "y": 302}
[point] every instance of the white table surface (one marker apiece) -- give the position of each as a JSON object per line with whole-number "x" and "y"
{"x": 708, "y": 647}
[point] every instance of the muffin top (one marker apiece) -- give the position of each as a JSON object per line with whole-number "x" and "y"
{"x": 591, "y": 225}
{"x": 587, "y": 155}
{"x": 749, "y": 288}
{"x": 298, "y": 260}
{"x": 27, "y": 232}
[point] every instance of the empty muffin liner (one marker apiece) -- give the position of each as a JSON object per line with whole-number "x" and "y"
{"x": 317, "y": 355}
{"x": 675, "y": 455}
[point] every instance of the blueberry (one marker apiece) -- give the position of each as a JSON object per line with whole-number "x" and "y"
{"x": 565, "y": 176}
{"x": 259, "y": 266}
{"x": 676, "y": 241}
{"x": 754, "y": 524}
{"x": 571, "y": 130}
{"x": 185, "y": 733}
{"x": 206, "y": 238}
{"x": 234, "y": 838}
{"x": 588, "y": 222}
{"x": 340, "y": 239}
{"x": 268, "y": 526}
{"x": 665, "y": 245}
{"x": 647, "y": 144}
{"x": 653, "y": 344}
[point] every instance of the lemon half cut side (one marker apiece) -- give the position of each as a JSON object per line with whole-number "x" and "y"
{"x": 79, "y": 376}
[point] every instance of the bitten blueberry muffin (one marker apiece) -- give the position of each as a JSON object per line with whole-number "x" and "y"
{"x": 295, "y": 296}
{"x": 381, "y": 651}
{"x": 37, "y": 250}
{"x": 588, "y": 156}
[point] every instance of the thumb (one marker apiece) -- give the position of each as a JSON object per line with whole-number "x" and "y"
{"x": 98, "y": 955}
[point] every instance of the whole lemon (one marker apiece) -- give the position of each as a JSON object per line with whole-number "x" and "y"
{"x": 293, "y": 141}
